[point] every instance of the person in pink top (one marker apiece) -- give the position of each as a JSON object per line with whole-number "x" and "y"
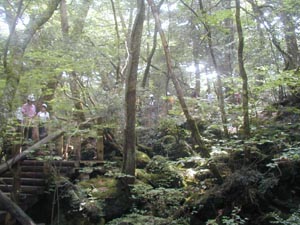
{"x": 29, "y": 112}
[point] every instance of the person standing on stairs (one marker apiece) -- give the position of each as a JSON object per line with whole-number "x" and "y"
{"x": 29, "y": 112}
{"x": 43, "y": 117}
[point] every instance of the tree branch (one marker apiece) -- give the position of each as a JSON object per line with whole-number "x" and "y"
{"x": 11, "y": 32}
{"x": 15, "y": 210}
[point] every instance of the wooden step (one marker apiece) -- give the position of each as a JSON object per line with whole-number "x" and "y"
{"x": 53, "y": 162}
{"x": 42, "y": 169}
{"x": 26, "y": 174}
{"x": 91, "y": 163}
{"x": 25, "y": 181}
{"x": 22, "y": 196}
{"x": 32, "y": 168}
{"x": 24, "y": 189}
{"x": 2, "y": 215}
{"x": 32, "y": 179}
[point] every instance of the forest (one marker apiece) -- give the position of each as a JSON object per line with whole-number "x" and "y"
{"x": 163, "y": 112}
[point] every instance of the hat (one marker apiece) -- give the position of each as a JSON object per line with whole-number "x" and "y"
{"x": 31, "y": 98}
{"x": 44, "y": 105}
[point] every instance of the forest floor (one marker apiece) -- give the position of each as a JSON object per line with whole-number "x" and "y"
{"x": 259, "y": 179}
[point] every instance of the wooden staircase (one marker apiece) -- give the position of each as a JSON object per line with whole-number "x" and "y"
{"x": 33, "y": 176}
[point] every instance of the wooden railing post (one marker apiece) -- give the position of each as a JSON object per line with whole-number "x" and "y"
{"x": 76, "y": 141}
{"x": 60, "y": 145}
{"x": 32, "y": 149}
{"x": 100, "y": 144}
{"x": 16, "y": 170}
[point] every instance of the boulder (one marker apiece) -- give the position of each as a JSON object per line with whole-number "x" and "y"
{"x": 142, "y": 159}
{"x": 163, "y": 174}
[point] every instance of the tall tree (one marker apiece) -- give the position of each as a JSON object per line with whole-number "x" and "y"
{"x": 290, "y": 55}
{"x": 151, "y": 54}
{"x": 130, "y": 93}
{"x": 219, "y": 89}
{"x": 243, "y": 74}
{"x": 196, "y": 58}
{"x": 190, "y": 120}
{"x": 118, "y": 65}
{"x": 72, "y": 39}
{"x": 17, "y": 44}
{"x": 287, "y": 17}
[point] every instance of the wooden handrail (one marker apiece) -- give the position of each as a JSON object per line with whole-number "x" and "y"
{"x": 51, "y": 137}
{"x": 9, "y": 163}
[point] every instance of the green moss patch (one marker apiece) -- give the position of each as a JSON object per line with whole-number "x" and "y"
{"x": 101, "y": 187}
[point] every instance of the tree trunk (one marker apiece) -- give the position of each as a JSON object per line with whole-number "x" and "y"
{"x": 220, "y": 93}
{"x": 290, "y": 40}
{"x": 190, "y": 120}
{"x": 73, "y": 38}
{"x": 196, "y": 56}
{"x": 49, "y": 91}
{"x": 64, "y": 21}
{"x": 229, "y": 47}
{"x": 150, "y": 56}
{"x": 127, "y": 32}
{"x": 130, "y": 93}
{"x": 269, "y": 27}
{"x": 75, "y": 90}
{"x": 118, "y": 66}
{"x": 242, "y": 70}
{"x": 149, "y": 59}
{"x": 291, "y": 55}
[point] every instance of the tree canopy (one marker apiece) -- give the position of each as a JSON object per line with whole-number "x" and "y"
{"x": 183, "y": 67}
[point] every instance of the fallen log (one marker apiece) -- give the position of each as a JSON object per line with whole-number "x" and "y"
{"x": 15, "y": 211}
{"x": 9, "y": 163}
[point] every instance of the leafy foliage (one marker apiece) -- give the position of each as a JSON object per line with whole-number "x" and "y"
{"x": 160, "y": 202}
{"x": 163, "y": 174}
{"x": 292, "y": 219}
{"x": 171, "y": 126}
{"x": 234, "y": 219}
{"x": 146, "y": 220}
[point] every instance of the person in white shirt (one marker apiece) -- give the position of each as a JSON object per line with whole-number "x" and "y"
{"x": 43, "y": 117}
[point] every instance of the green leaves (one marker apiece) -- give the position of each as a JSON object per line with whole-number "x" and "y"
{"x": 293, "y": 219}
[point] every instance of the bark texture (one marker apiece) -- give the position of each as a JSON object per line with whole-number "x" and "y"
{"x": 190, "y": 120}
{"x": 243, "y": 74}
{"x": 130, "y": 94}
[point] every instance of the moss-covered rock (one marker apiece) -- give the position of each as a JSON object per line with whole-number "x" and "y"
{"x": 162, "y": 174}
{"x": 205, "y": 208}
{"x": 146, "y": 136}
{"x": 145, "y": 149}
{"x": 142, "y": 159}
{"x": 168, "y": 146}
{"x": 160, "y": 202}
{"x": 214, "y": 131}
{"x": 180, "y": 150}
{"x": 101, "y": 187}
{"x": 113, "y": 194}
{"x": 191, "y": 162}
